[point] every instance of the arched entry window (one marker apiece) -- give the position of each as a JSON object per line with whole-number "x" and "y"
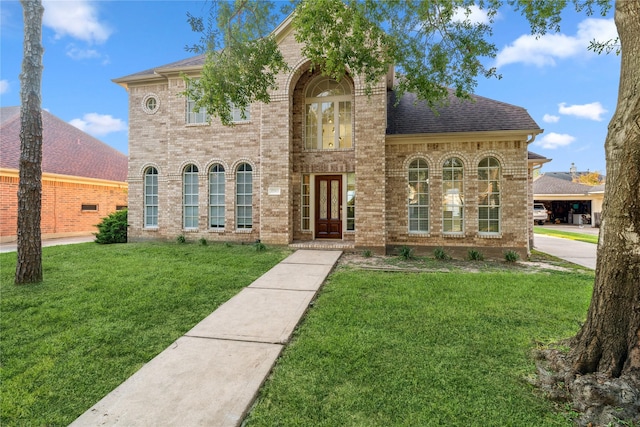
{"x": 453, "y": 196}
{"x": 489, "y": 195}
{"x": 328, "y": 115}
{"x": 190, "y": 196}
{"x": 151, "y": 198}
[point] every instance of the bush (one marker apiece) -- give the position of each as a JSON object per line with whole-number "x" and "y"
{"x": 511, "y": 256}
{"x": 475, "y": 255}
{"x": 440, "y": 254}
{"x": 366, "y": 253}
{"x": 406, "y": 252}
{"x": 203, "y": 241}
{"x": 113, "y": 228}
{"x": 260, "y": 246}
{"x": 181, "y": 239}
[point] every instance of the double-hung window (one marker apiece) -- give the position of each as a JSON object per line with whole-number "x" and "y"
{"x": 216, "y": 196}
{"x": 453, "y": 196}
{"x": 418, "y": 197}
{"x": 151, "y": 198}
{"x": 489, "y": 195}
{"x": 190, "y": 197}
{"x": 244, "y": 197}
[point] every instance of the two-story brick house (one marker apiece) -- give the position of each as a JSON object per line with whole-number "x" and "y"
{"x": 325, "y": 160}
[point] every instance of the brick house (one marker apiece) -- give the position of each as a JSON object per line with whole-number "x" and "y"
{"x": 326, "y": 164}
{"x": 83, "y": 179}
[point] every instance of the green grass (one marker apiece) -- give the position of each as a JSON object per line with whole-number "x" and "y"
{"x": 423, "y": 349}
{"x": 582, "y": 237}
{"x": 101, "y": 313}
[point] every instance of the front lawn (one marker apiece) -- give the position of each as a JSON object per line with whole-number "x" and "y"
{"x": 101, "y": 313}
{"x": 424, "y": 349}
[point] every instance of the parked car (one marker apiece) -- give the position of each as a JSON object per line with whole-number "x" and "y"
{"x": 540, "y": 214}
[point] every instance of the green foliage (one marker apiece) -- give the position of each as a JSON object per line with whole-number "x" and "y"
{"x": 366, "y": 253}
{"x": 511, "y": 256}
{"x": 203, "y": 241}
{"x": 405, "y": 252}
{"x": 113, "y": 228}
{"x": 439, "y": 253}
{"x": 243, "y": 59}
{"x": 260, "y": 246}
{"x": 434, "y": 45}
{"x": 475, "y": 255}
{"x": 181, "y": 239}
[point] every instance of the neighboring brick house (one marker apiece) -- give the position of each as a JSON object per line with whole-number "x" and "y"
{"x": 83, "y": 179}
{"x": 326, "y": 163}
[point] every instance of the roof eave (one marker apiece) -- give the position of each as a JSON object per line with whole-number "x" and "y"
{"x": 492, "y": 135}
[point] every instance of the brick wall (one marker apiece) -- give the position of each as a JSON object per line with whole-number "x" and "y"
{"x": 62, "y": 201}
{"x": 512, "y": 155}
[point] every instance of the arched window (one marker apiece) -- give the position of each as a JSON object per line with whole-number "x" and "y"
{"x": 216, "y": 196}
{"x": 489, "y": 174}
{"x": 418, "y": 196}
{"x": 452, "y": 196}
{"x": 151, "y": 198}
{"x": 328, "y": 115}
{"x": 244, "y": 196}
{"x": 190, "y": 197}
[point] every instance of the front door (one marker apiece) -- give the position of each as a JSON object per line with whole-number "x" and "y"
{"x": 329, "y": 207}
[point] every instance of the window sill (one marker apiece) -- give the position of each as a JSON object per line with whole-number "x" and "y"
{"x": 190, "y": 230}
{"x": 244, "y": 230}
{"x": 192, "y": 125}
{"x": 448, "y": 235}
{"x": 420, "y": 233}
{"x": 490, "y": 235}
{"x": 216, "y": 230}
{"x": 153, "y": 229}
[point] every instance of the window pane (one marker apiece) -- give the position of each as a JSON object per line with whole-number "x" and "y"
{"x": 489, "y": 199}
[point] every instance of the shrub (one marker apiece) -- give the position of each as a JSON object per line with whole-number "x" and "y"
{"x": 366, "y": 253}
{"x": 475, "y": 255}
{"x": 203, "y": 241}
{"x": 113, "y": 228}
{"x": 181, "y": 239}
{"x": 511, "y": 256}
{"x": 440, "y": 254}
{"x": 260, "y": 246}
{"x": 406, "y": 252}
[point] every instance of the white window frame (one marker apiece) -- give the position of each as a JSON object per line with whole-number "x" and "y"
{"x": 190, "y": 195}
{"x": 453, "y": 196}
{"x": 418, "y": 197}
{"x": 341, "y": 105}
{"x": 151, "y": 205}
{"x": 244, "y": 197}
{"x": 489, "y": 201}
{"x": 217, "y": 197}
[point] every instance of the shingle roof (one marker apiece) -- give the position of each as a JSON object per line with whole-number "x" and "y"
{"x": 547, "y": 184}
{"x": 66, "y": 149}
{"x": 178, "y": 65}
{"x": 413, "y": 116}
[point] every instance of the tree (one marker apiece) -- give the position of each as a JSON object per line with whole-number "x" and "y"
{"x": 589, "y": 178}
{"x": 434, "y": 45}
{"x": 29, "y": 264}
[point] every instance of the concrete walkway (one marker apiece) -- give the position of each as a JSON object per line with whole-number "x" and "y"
{"x": 212, "y": 374}
{"x": 13, "y": 246}
{"x": 580, "y": 253}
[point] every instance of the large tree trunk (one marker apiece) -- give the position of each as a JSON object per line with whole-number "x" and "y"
{"x": 29, "y": 265}
{"x": 609, "y": 341}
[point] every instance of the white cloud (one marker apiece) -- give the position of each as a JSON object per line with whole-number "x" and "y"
{"x": 4, "y": 86}
{"x": 99, "y": 124}
{"x": 77, "y": 53}
{"x": 593, "y": 111}
{"x": 77, "y": 19}
{"x": 550, "y": 118}
{"x": 546, "y": 49}
{"x": 554, "y": 140}
{"x": 476, "y": 15}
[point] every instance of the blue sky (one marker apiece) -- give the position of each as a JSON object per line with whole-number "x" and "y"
{"x": 570, "y": 92}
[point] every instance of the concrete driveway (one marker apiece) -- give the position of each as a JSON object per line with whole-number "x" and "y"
{"x": 580, "y": 253}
